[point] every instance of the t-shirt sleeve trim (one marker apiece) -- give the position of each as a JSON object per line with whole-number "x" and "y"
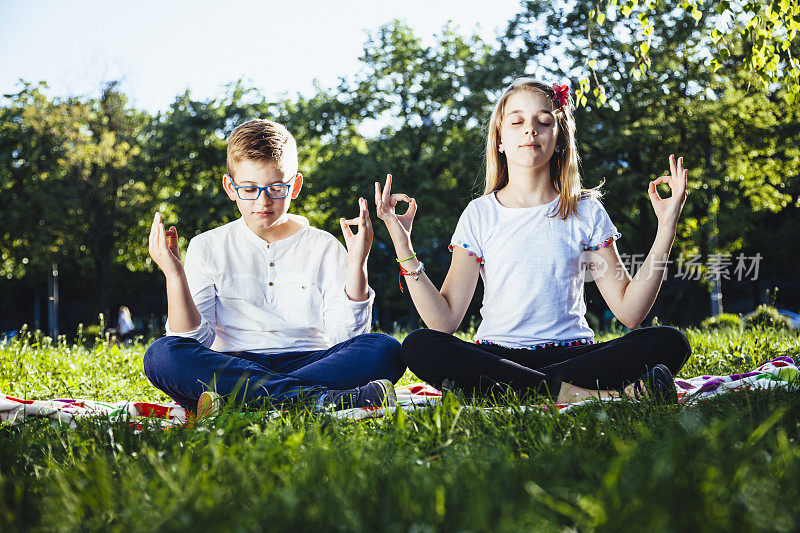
{"x": 603, "y": 243}
{"x": 464, "y": 245}
{"x": 467, "y": 234}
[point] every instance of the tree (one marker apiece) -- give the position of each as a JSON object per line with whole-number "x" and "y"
{"x": 678, "y": 105}
{"x": 432, "y": 102}
{"x": 761, "y": 36}
{"x": 72, "y": 184}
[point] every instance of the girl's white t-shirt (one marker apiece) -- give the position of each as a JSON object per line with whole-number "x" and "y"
{"x": 532, "y": 268}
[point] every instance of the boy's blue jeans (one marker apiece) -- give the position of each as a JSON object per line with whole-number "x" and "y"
{"x": 184, "y": 369}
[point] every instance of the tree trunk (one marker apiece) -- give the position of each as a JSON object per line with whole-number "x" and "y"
{"x": 102, "y": 263}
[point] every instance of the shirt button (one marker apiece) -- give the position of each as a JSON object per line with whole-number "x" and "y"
{"x": 270, "y": 284}
{"x": 272, "y": 264}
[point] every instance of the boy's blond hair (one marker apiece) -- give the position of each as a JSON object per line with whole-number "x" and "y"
{"x": 564, "y": 175}
{"x": 262, "y": 141}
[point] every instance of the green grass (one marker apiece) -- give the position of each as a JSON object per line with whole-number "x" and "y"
{"x": 732, "y": 463}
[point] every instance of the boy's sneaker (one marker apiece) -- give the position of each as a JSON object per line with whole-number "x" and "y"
{"x": 378, "y": 393}
{"x": 209, "y": 404}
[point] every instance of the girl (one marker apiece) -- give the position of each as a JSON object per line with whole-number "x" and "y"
{"x": 528, "y": 238}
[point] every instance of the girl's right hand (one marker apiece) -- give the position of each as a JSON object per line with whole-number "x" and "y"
{"x": 399, "y": 226}
{"x": 164, "y": 248}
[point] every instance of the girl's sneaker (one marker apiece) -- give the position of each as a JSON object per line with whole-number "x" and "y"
{"x": 209, "y": 404}
{"x": 378, "y": 393}
{"x": 451, "y": 385}
{"x": 658, "y": 384}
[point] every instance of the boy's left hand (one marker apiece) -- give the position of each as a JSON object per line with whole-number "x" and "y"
{"x": 359, "y": 244}
{"x": 669, "y": 209}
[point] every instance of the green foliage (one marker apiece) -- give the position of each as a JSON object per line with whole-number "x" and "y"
{"x": 731, "y": 463}
{"x": 760, "y": 36}
{"x": 430, "y": 100}
{"x": 722, "y": 320}
{"x": 727, "y": 133}
{"x": 766, "y": 316}
{"x": 71, "y": 184}
{"x": 416, "y": 110}
{"x": 594, "y": 322}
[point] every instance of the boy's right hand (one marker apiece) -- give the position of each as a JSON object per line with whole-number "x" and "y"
{"x": 164, "y": 248}
{"x": 399, "y": 226}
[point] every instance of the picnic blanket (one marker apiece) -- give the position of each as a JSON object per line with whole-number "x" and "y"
{"x": 777, "y": 373}
{"x": 781, "y": 372}
{"x": 67, "y": 410}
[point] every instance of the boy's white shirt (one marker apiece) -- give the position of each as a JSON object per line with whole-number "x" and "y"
{"x": 285, "y": 296}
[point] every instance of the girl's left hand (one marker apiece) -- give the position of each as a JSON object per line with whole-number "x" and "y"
{"x": 669, "y": 209}
{"x": 359, "y": 244}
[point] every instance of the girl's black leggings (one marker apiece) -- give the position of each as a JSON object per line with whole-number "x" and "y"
{"x": 486, "y": 368}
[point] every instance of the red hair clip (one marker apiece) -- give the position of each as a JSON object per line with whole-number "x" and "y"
{"x": 561, "y": 94}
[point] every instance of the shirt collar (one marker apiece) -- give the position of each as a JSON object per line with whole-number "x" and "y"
{"x": 288, "y": 241}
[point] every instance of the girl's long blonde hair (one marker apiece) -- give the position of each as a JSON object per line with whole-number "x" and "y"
{"x": 564, "y": 174}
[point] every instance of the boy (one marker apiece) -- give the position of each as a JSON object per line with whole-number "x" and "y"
{"x": 267, "y": 309}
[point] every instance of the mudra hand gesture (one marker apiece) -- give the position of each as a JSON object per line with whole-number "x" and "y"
{"x": 358, "y": 244}
{"x": 164, "y": 247}
{"x": 399, "y": 226}
{"x": 669, "y": 209}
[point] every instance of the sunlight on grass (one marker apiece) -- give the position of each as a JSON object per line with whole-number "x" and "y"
{"x": 34, "y": 366}
{"x": 732, "y": 463}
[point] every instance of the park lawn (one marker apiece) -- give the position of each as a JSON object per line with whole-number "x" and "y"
{"x": 732, "y": 463}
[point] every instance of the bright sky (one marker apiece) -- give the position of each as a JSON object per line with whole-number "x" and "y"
{"x": 161, "y": 48}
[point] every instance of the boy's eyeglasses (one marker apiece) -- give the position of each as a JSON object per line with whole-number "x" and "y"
{"x": 276, "y": 191}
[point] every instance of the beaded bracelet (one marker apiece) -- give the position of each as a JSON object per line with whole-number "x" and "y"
{"x": 544, "y": 345}
{"x": 413, "y": 273}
